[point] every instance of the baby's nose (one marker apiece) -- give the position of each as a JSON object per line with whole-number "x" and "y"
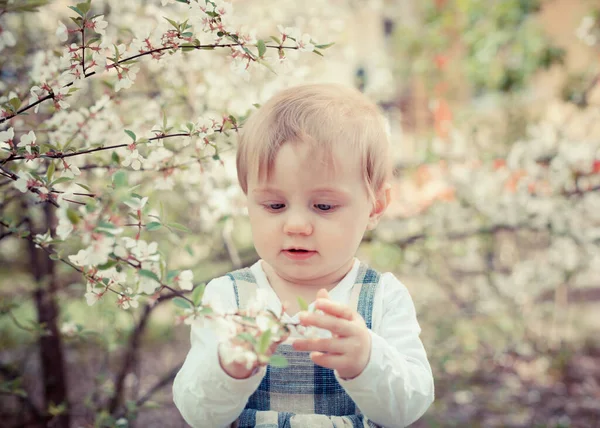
{"x": 297, "y": 224}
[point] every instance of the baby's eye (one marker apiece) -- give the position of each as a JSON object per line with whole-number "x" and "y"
{"x": 276, "y": 207}
{"x": 324, "y": 207}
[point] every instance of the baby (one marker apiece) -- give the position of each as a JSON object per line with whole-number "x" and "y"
{"x": 314, "y": 163}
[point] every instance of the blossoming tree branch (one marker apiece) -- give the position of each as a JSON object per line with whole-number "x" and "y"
{"x": 72, "y": 171}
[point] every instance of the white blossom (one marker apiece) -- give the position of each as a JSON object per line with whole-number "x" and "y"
{"x": 136, "y": 204}
{"x": 304, "y": 43}
{"x": 237, "y": 354}
{"x": 259, "y": 302}
{"x": 6, "y": 39}
{"x": 70, "y": 170}
{"x": 134, "y": 159}
{"x": 205, "y": 127}
{"x": 91, "y": 297}
{"x": 69, "y": 328}
{"x": 28, "y": 140}
{"x": 6, "y": 138}
{"x": 185, "y": 280}
{"x": 224, "y": 328}
{"x": 62, "y": 33}
{"x": 99, "y": 25}
{"x": 147, "y": 285}
{"x": 145, "y": 252}
{"x": 64, "y": 228}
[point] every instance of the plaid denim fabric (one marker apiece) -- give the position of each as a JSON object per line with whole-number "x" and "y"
{"x": 303, "y": 394}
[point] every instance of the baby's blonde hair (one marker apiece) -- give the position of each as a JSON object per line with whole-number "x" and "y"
{"x": 322, "y": 115}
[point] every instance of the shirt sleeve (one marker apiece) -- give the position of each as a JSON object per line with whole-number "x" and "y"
{"x": 205, "y": 395}
{"x": 396, "y": 387}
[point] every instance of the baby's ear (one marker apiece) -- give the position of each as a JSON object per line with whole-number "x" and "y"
{"x": 382, "y": 200}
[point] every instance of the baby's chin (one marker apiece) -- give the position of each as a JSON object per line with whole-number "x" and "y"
{"x": 308, "y": 275}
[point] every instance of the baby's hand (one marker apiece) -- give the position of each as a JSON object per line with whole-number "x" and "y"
{"x": 349, "y": 349}
{"x": 252, "y": 346}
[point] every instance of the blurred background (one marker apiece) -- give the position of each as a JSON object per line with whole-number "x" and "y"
{"x": 494, "y": 112}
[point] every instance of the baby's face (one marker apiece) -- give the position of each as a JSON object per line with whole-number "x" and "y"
{"x": 308, "y": 218}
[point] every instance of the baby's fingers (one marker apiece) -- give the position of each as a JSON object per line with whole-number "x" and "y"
{"x": 333, "y": 308}
{"x": 330, "y": 346}
{"x": 337, "y": 326}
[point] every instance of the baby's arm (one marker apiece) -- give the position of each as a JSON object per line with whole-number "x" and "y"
{"x": 205, "y": 395}
{"x": 396, "y": 386}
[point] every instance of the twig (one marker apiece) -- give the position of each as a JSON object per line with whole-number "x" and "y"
{"x": 86, "y": 75}
{"x": 35, "y": 190}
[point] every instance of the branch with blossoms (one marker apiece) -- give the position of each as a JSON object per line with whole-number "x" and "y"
{"x": 42, "y": 185}
{"x": 109, "y": 220}
{"x": 181, "y": 37}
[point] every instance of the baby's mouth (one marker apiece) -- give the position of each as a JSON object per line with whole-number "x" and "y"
{"x": 298, "y": 253}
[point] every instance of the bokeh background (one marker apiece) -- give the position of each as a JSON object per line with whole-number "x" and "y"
{"x": 494, "y": 112}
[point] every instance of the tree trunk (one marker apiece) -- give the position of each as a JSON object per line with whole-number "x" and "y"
{"x": 50, "y": 344}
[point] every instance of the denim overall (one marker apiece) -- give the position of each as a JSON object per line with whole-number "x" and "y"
{"x": 304, "y": 394}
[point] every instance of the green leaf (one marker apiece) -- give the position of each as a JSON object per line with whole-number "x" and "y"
{"x": 278, "y": 361}
{"x": 73, "y": 216}
{"x": 54, "y": 257}
{"x": 60, "y": 180}
{"x": 187, "y": 48}
{"x": 93, "y": 40}
{"x": 149, "y": 274}
{"x": 262, "y": 48}
{"x": 318, "y": 53}
{"x": 197, "y": 294}
{"x": 15, "y": 103}
{"x": 276, "y": 40}
{"x": 182, "y": 303}
{"x": 265, "y": 341}
{"x": 131, "y": 134}
{"x": 266, "y": 64}
{"x": 302, "y": 303}
{"x": 178, "y": 226}
{"x": 108, "y": 265}
{"x": 153, "y": 226}
{"x": 50, "y": 172}
{"x": 328, "y": 45}
{"x": 205, "y": 311}
{"x": 120, "y": 179}
{"x": 84, "y": 187}
{"x": 115, "y": 158}
{"x": 84, "y": 7}
{"x": 173, "y": 23}
{"x": 77, "y": 10}
{"x": 247, "y": 337}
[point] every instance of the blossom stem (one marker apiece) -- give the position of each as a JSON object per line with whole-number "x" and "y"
{"x": 83, "y": 47}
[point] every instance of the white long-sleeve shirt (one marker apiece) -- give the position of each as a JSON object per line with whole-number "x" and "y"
{"x": 394, "y": 389}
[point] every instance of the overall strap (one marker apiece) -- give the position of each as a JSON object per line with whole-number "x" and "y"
{"x": 244, "y": 286}
{"x": 363, "y": 292}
